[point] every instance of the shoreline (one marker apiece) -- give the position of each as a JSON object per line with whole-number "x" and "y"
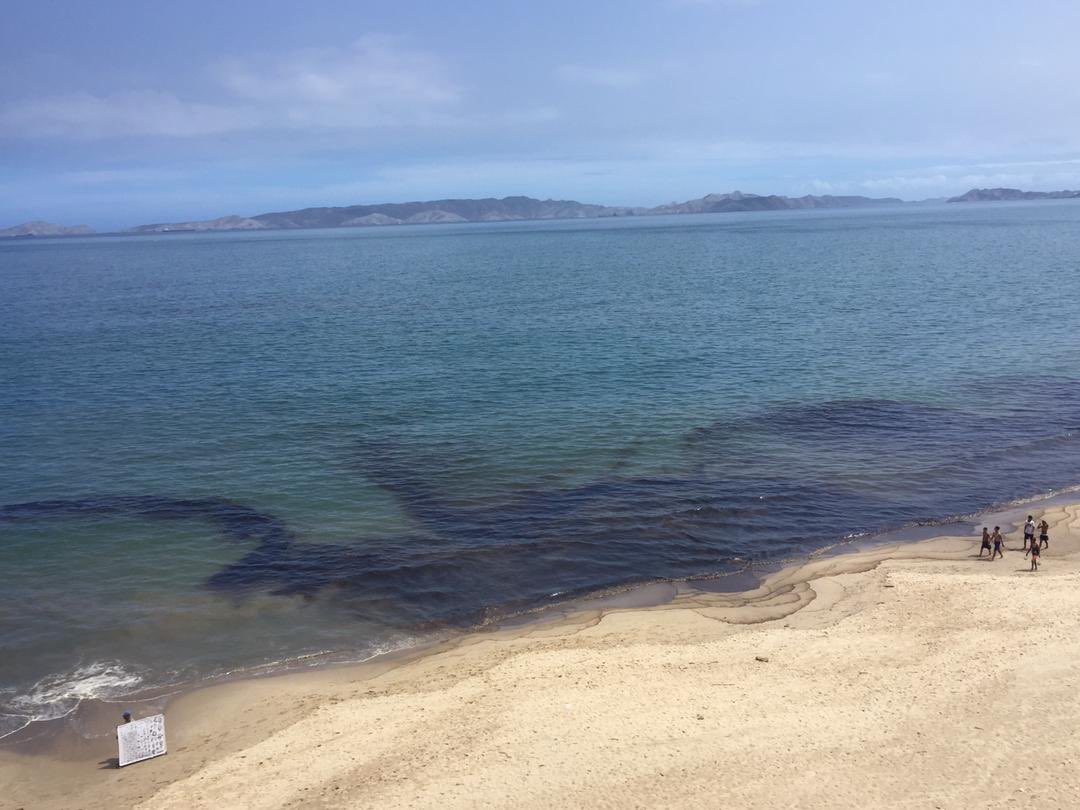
{"x": 45, "y": 735}
{"x": 217, "y": 724}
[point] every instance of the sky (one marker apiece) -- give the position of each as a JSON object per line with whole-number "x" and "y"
{"x": 119, "y": 113}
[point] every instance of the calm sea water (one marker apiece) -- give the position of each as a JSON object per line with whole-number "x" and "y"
{"x": 229, "y": 451}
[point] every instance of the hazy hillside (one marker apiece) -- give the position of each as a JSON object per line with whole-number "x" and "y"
{"x": 39, "y": 228}
{"x": 738, "y": 201}
{"x": 484, "y": 210}
{"x": 506, "y": 209}
{"x": 999, "y": 194}
{"x": 230, "y": 223}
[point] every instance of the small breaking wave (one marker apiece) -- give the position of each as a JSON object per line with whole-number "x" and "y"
{"x": 59, "y": 694}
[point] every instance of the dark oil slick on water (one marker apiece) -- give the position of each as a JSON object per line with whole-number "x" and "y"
{"x": 525, "y": 546}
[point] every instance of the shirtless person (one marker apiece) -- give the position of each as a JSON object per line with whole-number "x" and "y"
{"x": 985, "y": 542}
{"x": 1029, "y": 531}
{"x": 1044, "y": 534}
{"x": 995, "y": 538}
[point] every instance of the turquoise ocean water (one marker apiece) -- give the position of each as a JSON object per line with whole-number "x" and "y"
{"x": 230, "y": 451}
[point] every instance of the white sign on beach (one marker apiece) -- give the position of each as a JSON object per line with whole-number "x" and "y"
{"x": 141, "y": 739}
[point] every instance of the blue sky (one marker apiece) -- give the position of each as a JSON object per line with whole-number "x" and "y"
{"x": 121, "y": 113}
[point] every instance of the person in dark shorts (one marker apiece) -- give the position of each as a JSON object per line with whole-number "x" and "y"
{"x": 995, "y": 538}
{"x": 1044, "y": 534}
{"x": 1034, "y": 552}
{"x": 985, "y": 542}
{"x": 1029, "y": 531}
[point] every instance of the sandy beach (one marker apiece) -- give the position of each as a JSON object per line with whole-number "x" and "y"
{"x": 909, "y": 675}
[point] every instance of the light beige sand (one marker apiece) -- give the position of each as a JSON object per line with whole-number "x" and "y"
{"x": 911, "y": 676}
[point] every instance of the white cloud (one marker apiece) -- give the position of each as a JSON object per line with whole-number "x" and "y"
{"x": 377, "y": 81}
{"x": 930, "y": 154}
{"x": 1073, "y": 163}
{"x": 120, "y": 114}
{"x": 921, "y": 184}
{"x": 599, "y": 76}
{"x": 771, "y": 149}
{"x": 103, "y": 177}
{"x": 948, "y": 180}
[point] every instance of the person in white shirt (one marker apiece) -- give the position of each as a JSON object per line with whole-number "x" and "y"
{"x": 1029, "y": 531}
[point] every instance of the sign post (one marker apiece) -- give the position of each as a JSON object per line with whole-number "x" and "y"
{"x": 141, "y": 739}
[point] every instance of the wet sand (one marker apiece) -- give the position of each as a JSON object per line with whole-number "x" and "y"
{"x": 912, "y": 675}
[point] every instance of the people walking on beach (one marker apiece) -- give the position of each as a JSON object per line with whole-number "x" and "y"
{"x": 1044, "y": 534}
{"x": 985, "y": 542}
{"x": 995, "y": 538}
{"x": 1029, "y": 531}
{"x": 1034, "y": 552}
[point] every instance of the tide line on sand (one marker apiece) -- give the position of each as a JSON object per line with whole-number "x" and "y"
{"x": 907, "y": 675}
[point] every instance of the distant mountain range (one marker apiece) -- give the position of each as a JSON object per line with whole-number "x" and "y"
{"x": 737, "y": 201}
{"x": 39, "y": 228}
{"x": 507, "y": 209}
{"x": 999, "y": 194}
{"x": 411, "y": 213}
